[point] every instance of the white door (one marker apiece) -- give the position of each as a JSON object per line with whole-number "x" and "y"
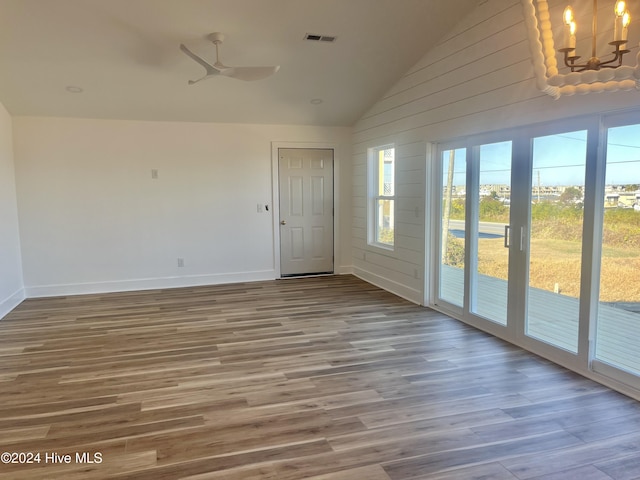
{"x": 306, "y": 211}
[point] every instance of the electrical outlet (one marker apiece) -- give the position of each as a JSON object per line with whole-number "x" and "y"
{"x": 180, "y": 262}
{"x": 154, "y": 174}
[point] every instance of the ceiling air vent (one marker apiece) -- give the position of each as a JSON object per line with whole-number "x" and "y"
{"x": 320, "y": 38}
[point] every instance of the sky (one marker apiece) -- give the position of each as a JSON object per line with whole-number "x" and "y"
{"x": 559, "y": 159}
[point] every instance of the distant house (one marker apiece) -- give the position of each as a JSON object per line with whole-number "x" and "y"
{"x": 611, "y": 200}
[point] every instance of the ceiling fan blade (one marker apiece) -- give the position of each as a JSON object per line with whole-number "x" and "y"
{"x": 191, "y": 82}
{"x": 211, "y": 69}
{"x": 249, "y": 74}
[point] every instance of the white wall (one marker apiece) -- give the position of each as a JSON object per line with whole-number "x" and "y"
{"x": 478, "y": 79}
{"x": 93, "y": 219}
{"x": 11, "y": 287}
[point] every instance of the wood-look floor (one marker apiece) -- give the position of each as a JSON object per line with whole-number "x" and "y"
{"x": 323, "y": 378}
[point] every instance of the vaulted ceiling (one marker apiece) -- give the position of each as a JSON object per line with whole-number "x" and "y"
{"x": 124, "y": 55}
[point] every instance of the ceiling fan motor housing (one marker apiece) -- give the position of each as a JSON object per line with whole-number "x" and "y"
{"x": 216, "y": 37}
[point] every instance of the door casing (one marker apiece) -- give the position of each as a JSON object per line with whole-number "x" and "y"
{"x": 275, "y": 202}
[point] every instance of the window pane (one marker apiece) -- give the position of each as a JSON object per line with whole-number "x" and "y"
{"x": 454, "y": 166}
{"x": 489, "y": 294}
{"x": 386, "y": 172}
{"x": 384, "y": 222}
{"x": 618, "y": 327}
{"x": 555, "y": 248}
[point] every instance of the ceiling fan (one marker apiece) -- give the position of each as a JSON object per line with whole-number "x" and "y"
{"x": 241, "y": 73}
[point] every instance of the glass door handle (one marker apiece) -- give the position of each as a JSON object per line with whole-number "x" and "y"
{"x": 507, "y": 238}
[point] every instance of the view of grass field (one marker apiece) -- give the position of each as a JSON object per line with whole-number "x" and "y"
{"x": 557, "y": 243}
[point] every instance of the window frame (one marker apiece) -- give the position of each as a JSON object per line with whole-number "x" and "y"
{"x": 375, "y": 185}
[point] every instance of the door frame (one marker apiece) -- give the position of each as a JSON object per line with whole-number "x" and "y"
{"x": 275, "y": 199}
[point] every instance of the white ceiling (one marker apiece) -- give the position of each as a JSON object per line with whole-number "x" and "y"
{"x": 125, "y": 56}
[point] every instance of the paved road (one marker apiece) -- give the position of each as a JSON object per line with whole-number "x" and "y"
{"x": 489, "y": 229}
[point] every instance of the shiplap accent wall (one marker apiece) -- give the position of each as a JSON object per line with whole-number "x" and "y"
{"x": 478, "y": 79}
{"x": 11, "y": 283}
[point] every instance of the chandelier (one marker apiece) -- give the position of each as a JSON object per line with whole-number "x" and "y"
{"x": 621, "y": 24}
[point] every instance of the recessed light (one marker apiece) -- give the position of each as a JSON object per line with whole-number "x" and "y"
{"x": 316, "y": 101}
{"x": 74, "y": 89}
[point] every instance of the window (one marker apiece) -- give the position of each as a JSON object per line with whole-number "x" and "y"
{"x": 382, "y": 196}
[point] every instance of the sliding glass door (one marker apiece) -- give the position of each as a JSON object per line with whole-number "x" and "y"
{"x": 555, "y": 239}
{"x": 618, "y": 313}
{"x": 489, "y": 283}
{"x": 473, "y": 256}
{"x": 539, "y": 240}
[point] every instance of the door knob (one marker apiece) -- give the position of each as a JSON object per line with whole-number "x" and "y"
{"x": 283, "y": 222}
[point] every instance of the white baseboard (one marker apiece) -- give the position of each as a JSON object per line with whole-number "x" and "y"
{"x": 344, "y": 270}
{"x": 411, "y": 294}
{"x": 146, "y": 284}
{"x": 12, "y": 302}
